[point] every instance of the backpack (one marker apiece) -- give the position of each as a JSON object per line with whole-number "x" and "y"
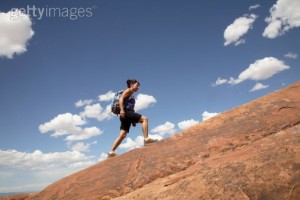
{"x": 115, "y": 107}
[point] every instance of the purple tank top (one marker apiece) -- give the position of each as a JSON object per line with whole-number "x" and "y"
{"x": 129, "y": 103}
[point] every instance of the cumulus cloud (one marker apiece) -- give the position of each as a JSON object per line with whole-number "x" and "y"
{"x": 187, "y": 124}
{"x": 260, "y": 70}
{"x": 130, "y": 144}
{"x": 207, "y": 115}
{"x": 167, "y": 128}
{"x": 38, "y": 160}
{"x": 97, "y": 112}
{"x": 38, "y": 169}
{"x": 92, "y": 111}
{"x": 144, "y": 101}
{"x": 102, "y": 157}
{"x": 237, "y": 29}
{"x": 68, "y": 124}
{"x": 109, "y": 96}
{"x": 284, "y": 15}
{"x": 81, "y": 146}
{"x": 291, "y": 55}
{"x": 14, "y": 34}
{"x": 253, "y": 7}
{"x": 63, "y": 124}
{"x": 258, "y": 86}
{"x": 84, "y": 134}
{"x": 82, "y": 103}
{"x": 220, "y": 81}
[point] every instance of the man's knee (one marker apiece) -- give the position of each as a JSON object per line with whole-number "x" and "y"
{"x": 123, "y": 134}
{"x": 144, "y": 119}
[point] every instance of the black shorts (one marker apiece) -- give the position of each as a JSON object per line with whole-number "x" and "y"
{"x": 130, "y": 117}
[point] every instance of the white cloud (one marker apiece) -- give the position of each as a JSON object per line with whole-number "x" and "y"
{"x": 291, "y": 55}
{"x": 237, "y": 29}
{"x": 84, "y": 134}
{"x": 272, "y": 30}
{"x": 207, "y": 115}
{"x": 109, "y": 96}
{"x": 92, "y": 111}
{"x": 81, "y": 146}
{"x": 258, "y": 86}
{"x": 68, "y": 124}
{"x": 34, "y": 171}
{"x": 155, "y": 136}
{"x": 187, "y": 124}
{"x": 14, "y": 34}
{"x": 220, "y": 81}
{"x": 82, "y": 103}
{"x": 138, "y": 142}
{"x": 106, "y": 114}
{"x": 167, "y": 128}
{"x": 284, "y": 15}
{"x": 144, "y": 101}
{"x": 253, "y": 7}
{"x": 132, "y": 144}
{"x": 102, "y": 157}
{"x": 63, "y": 124}
{"x": 260, "y": 70}
{"x": 38, "y": 160}
{"x": 97, "y": 112}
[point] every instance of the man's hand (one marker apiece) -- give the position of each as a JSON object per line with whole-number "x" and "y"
{"x": 122, "y": 114}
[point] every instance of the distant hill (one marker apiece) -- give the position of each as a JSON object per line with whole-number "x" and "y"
{"x": 249, "y": 152}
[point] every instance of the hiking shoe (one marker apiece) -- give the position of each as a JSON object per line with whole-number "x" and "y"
{"x": 111, "y": 154}
{"x": 149, "y": 141}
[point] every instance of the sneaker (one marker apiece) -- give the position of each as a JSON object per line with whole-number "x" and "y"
{"x": 111, "y": 154}
{"x": 149, "y": 141}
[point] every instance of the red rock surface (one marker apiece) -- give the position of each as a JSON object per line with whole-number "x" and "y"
{"x": 249, "y": 152}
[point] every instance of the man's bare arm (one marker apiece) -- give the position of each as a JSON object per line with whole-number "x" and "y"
{"x": 124, "y": 95}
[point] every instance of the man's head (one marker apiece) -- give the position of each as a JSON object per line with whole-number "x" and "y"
{"x": 134, "y": 84}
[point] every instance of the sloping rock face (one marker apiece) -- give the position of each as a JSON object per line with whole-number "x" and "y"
{"x": 250, "y": 152}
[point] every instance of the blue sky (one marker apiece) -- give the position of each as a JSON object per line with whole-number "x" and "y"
{"x": 61, "y": 62}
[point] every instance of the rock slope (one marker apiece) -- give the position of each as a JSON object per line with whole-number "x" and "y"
{"x": 249, "y": 152}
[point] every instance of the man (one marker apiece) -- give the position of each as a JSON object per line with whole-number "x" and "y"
{"x": 128, "y": 116}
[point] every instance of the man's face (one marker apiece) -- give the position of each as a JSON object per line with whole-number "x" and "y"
{"x": 136, "y": 86}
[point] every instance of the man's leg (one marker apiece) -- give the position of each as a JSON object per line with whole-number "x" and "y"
{"x": 144, "y": 122}
{"x": 118, "y": 141}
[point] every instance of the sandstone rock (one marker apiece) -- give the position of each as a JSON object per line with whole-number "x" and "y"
{"x": 249, "y": 152}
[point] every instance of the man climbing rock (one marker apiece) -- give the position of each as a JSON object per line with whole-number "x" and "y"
{"x": 128, "y": 116}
